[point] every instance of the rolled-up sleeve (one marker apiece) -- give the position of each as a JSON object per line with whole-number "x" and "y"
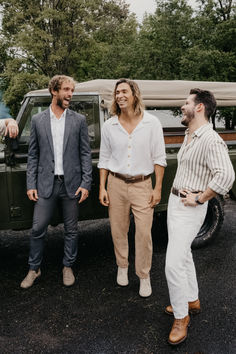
{"x": 105, "y": 149}
{"x": 158, "y": 145}
{"x": 218, "y": 161}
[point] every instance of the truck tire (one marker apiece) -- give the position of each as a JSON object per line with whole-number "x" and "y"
{"x": 212, "y": 223}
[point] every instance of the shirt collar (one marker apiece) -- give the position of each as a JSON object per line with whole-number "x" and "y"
{"x": 52, "y": 115}
{"x": 145, "y": 119}
{"x": 198, "y": 132}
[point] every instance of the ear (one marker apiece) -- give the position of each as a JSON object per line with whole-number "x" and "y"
{"x": 54, "y": 92}
{"x": 200, "y": 107}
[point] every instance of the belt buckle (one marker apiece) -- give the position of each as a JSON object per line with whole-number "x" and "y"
{"x": 59, "y": 178}
{"x": 129, "y": 179}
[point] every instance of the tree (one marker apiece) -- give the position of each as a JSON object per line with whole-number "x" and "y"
{"x": 213, "y": 54}
{"x": 162, "y": 40}
{"x": 47, "y": 37}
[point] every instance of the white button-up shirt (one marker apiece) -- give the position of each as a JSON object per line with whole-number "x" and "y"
{"x": 58, "y": 129}
{"x": 132, "y": 154}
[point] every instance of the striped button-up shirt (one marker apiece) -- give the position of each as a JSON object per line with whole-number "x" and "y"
{"x": 204, "y": 162}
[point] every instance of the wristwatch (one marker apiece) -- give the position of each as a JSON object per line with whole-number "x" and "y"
{"x": 197, "y": 201}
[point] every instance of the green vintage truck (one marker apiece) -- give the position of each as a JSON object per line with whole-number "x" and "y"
{"x": 93, "y": 98}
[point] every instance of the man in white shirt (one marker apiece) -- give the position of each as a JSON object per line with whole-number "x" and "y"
{"x": 59, "y": 168}
{"x": 9, "y": 126}
{"x": 204, "y": 170}
{"x": 132, "y": 148}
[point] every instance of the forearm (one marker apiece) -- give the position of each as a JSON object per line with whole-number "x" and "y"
{"x": 207, "y": 195}
{"x": 159, "y": 174}
{"x": 103, "y": 177}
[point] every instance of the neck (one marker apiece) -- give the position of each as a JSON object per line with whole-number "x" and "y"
{"x": 57, "y": 110}
{"x": 128, "y": 114}
{"x": 196, "y": 123}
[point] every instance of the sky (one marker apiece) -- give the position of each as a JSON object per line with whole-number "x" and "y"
{"x": 139, "y": 7}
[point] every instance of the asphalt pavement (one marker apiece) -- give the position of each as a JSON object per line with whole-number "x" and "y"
{"x": 96, "y": 316}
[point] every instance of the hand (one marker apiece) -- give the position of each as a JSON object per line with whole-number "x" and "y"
{"x": 12, "y": 129}
{"x": 155, "y": 198}
{"x": 84, "y": 194}
{"x": 190, "y": 198}
{"x": 32, "y": 194}
{"x": 103, "y": 197}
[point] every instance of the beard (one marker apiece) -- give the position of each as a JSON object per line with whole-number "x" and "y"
{"x": 189, "y": 115}
{"x": 60, "y": 103}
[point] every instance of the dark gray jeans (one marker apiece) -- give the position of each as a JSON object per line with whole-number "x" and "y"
{"x": 43, "y": 211}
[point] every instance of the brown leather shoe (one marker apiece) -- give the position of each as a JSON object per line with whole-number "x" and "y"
{"x": 179, "y": 330}
{"x": 30, "y": 278}
{"x": 194, "y": 308}
{"x": 68, "y": 276}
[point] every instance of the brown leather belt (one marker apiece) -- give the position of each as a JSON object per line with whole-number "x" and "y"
{"x": 133, "y": 179}
{"x": 177, "y": 192}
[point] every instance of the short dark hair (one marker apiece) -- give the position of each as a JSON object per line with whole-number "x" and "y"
{"x": 138, "y": 103}
{"x": 207, "y": 98}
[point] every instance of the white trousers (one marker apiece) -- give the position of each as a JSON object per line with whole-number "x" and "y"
{"x": 183, "y": 223}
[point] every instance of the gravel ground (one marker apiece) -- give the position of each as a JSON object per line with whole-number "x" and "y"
{"x": 95, "y": 315}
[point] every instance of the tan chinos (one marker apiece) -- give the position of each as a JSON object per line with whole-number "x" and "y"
{"x": 124, "y": 197}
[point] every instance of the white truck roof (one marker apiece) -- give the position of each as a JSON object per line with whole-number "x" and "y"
{"x": 160, "y": 93}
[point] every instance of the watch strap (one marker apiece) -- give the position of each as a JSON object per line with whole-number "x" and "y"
{"x": 197, "y": 201}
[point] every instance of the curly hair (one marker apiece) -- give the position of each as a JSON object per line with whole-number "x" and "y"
{"x": 138, "y": 103}
{"x": 56, "y": 82}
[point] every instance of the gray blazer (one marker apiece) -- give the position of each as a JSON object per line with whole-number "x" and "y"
{"x": 77, "y": 163}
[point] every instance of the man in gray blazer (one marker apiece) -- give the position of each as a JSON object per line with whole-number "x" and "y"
{"x": 59, "y": 168}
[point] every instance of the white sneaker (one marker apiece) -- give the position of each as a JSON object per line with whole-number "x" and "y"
{"x": 122, "y": 276}
{"x": 145, "y": 289}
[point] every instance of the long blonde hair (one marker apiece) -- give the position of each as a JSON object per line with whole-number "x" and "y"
{"x": 138, "y": 105}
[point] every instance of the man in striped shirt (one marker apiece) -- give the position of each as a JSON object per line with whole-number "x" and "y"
{"x": 204, "y": 170}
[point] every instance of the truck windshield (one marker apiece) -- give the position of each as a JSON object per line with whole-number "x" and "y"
{"x": 88, "y": 105}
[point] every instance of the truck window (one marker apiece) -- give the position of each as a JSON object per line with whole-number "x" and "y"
{"x": 225, "y": 118}
{"x": 86, "y": 105}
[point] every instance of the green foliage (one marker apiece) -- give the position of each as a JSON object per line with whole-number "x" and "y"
{"x": 208, "y": 65}
{"x": 162, "y": 40}
{"x": 48, "y": 37}
{"x": 91, "y": 39}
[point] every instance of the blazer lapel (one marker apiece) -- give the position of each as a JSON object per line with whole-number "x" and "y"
{"x": 47, "y": 124}
{"x": 68, "y": 125}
